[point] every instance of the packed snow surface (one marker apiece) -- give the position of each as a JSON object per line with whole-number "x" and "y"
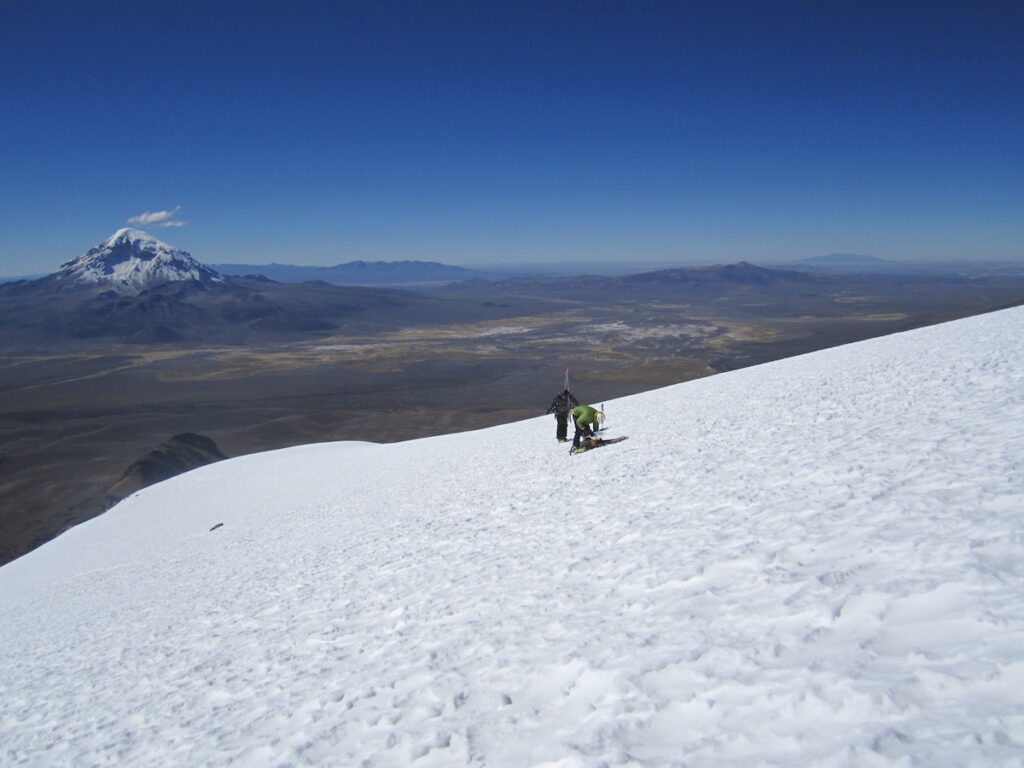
{"x": 815, "y": 562}
{"x": 133, "y": 259}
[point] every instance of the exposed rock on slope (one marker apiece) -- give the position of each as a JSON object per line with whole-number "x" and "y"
{"x": 179, "y": 454}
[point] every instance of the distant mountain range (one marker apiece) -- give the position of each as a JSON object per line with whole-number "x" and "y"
{"x": 356, "y": 272}
{"x": 135, "y": 288}
{"x": 856, "y": 263}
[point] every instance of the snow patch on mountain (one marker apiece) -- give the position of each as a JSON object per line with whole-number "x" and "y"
{"x": 812, "y": 562}
{"x": 134, "y": 260}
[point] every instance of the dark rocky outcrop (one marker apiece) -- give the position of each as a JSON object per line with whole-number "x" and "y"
{"x": 179, "y": 454}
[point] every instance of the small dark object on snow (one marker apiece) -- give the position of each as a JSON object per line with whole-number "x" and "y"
{"x": 218, "y": 525}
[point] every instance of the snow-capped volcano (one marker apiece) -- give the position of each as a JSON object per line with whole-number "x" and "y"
{"x": 132, "y": 259}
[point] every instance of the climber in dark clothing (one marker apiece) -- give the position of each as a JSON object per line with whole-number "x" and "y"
{"x": 564, "y": 402}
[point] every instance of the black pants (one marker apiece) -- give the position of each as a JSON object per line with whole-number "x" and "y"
{"x": 563, "y": 425}
{"x": 581, "y": 432}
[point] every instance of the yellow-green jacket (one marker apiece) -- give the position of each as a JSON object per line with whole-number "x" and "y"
{"x": 584, "y": 415}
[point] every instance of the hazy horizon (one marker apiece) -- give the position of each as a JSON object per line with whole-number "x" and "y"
{"x": 523, "y": 264}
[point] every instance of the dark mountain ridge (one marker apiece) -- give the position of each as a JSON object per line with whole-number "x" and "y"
{"x": 742, "y": 273}
{"x": 859, "y": 264}
{"x": 179, "y": 454}
{"x": 679, "y": 283}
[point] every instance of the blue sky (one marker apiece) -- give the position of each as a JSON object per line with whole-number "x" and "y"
{"x": 483, "y": 132}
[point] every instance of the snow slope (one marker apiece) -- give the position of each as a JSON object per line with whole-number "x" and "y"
{"x": 814, "y": 562}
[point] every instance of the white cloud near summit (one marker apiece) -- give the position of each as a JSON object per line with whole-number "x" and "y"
{"x": 158, "y": 218}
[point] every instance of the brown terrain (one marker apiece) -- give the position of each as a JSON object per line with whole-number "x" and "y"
{"x": 75, "y": 417}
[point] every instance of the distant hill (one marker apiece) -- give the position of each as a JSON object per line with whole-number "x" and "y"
{"x": 855, "y": 263}
{"x": 691, "y": 282}
{"x": 355, "y": 272}
{"x": 743, "y": 273}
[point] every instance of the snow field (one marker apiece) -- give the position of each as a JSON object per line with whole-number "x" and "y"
{"x": 812, "y": 562}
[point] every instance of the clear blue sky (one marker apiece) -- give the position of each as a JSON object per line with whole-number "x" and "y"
{"x": 477, "y": 132}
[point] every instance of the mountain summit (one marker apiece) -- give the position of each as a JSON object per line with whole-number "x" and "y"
{"x": 133, "y": 260}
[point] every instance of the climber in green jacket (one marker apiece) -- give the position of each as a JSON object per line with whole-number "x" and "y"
{"x": 588, "y": 421}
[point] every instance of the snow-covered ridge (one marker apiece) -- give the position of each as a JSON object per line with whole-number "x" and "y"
{"x": 814, "y": 562}
{"x": 133, "y": 259}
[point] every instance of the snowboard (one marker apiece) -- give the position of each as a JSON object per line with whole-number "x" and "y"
{"x": 599, "y": 442}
